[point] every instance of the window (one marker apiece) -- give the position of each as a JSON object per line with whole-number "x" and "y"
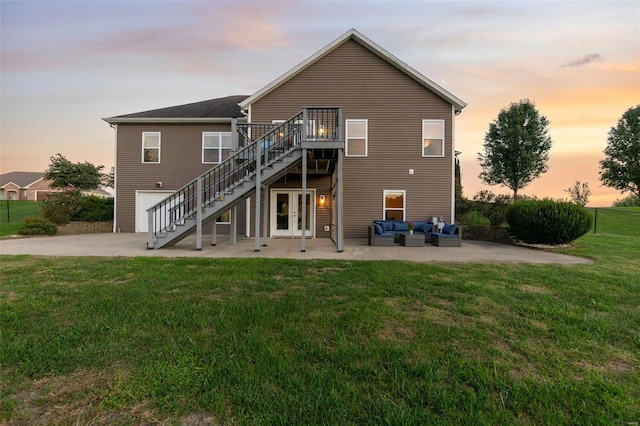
{"x": 356, "y": 135}
{"x": 224, "y": 218}
{"x": 394, "y": 204}
{"x": 150, "y": 147}
{"x": 433, "y": 138}
{"x": 216, "y": 147}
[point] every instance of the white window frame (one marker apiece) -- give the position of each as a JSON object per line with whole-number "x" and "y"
{"x": 144, "y": 134}
{"x": 220, "y": 148}
{"x": 441, "y": 122}
{"x": 384, "y": 202}
{"x": 366, "y": 137}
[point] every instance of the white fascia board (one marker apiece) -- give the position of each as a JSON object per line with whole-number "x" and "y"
{"x": 372, "y": 47}
{"x": 116, "y": 120}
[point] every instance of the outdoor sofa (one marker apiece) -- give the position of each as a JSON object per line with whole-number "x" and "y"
{"x": 386, "y": 233}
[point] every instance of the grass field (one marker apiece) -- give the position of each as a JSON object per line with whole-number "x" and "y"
{"x": 617, "y": 220}
{"x": 257, "y": 341}
{"x": 18, "y": 211}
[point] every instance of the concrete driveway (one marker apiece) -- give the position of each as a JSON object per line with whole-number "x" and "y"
{"x": 134, "y": 245}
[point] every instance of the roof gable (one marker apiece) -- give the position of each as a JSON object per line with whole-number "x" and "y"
{"x": 372, "y": 47}
{"x": 21, "y": 179}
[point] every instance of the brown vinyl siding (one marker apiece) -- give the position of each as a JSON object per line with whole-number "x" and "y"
{"x": 180, "y": 162}
{"x": 366, "y": 86}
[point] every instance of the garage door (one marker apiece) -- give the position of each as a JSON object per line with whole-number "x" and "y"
{"x": 145, "y": 200}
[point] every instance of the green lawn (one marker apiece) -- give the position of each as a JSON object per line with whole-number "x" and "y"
{"x": 258, "y": 341}
{"x": 18, "y": 211}
{"x": 618, "y": 220}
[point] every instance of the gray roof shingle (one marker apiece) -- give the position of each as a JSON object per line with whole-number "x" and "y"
{"x": 22, "y": 179}
{"x": 226, "y": 107}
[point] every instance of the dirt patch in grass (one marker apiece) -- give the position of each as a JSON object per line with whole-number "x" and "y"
{"x": 325, "y": 270}
{"x": 534, "y": 289}
{"x": 396, "y": 331}
{"x": 76, "y": 398}
{"x": 9, "y": 296}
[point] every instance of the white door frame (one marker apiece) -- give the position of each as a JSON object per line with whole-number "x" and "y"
{"x": 293, "y": 213}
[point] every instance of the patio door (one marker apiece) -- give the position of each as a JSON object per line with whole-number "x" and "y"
{"x": 286, "y": 213}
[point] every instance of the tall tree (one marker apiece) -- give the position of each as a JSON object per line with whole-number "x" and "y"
{"x": 516, "y": 147}
{"x": 621, "y": 167}
{"x": 66, "y": 174}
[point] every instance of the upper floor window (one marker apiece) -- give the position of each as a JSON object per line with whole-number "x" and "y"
{"x": 356, "y": 138}
{"x": 394, "y": 204}
{"x": 433, "y": 138}
{"x": 150, "y": 147}
{"x": 216, "y": 146}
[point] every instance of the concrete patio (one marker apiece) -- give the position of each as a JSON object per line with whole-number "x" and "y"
{"x": 134, "y": 245}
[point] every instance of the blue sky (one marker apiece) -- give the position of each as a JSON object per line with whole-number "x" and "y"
{"x": 65, "y": 65}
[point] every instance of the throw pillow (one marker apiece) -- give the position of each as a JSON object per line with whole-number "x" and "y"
{"x": 401, "y": 226}
{"x": 378, "y": 229}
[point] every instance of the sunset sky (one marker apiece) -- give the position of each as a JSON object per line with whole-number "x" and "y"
{"x": 66, "y": 64}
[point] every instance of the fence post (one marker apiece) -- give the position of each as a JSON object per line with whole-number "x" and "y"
{"x": 595, "y": 221}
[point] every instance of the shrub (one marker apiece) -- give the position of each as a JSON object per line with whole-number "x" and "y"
{"x": 464, "y": 206}
{"x": 93, "y": 209}
{"x": 59, "y": 207}
{"x": 548, "y": 221}
{"x": 63, "y": 207}
{"x": 37, "y": 226}
{"x": 492, "y": 206}
{"x": 628, "y": 201}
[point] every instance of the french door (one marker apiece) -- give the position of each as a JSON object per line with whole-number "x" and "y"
{"x": 286, "y": 213}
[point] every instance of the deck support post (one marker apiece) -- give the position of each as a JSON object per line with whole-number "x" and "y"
{"x": 258, "y": 156}
{"x": 303, "y": 246}
{"x": 234, "y": 226}
{"x": 265, "y": 215}
{"x": 214, "y": 233}
{"x": 151, "y": 227}
{"x": 199, "y": 214}
{"x": 339, "y": 225}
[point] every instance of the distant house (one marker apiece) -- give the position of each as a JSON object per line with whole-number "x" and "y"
{"x": 349, "y": 135}
{"x": 24, "y": 186}
{"x": 32, "y": 186}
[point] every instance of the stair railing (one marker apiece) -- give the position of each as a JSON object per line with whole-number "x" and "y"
{"x": 270, "y": 141}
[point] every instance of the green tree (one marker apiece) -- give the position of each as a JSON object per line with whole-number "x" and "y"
{"x": 516, "y": 147}
{"x": 65, "y": 174}
{"x": 621, "y": 167}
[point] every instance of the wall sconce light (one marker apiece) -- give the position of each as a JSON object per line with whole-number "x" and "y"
{"x": 322, "y": 200}
{"x": 321, "y": 130}
{"x": 159, "y": 184}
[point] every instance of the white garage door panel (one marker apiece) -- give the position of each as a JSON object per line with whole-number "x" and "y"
{"x": 145, "y": 200}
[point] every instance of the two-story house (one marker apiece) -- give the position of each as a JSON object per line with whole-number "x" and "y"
{"x": 350, "y": 135}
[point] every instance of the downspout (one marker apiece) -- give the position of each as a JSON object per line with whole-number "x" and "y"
{"x": 115, "y": 178}
{"x": 453, "y": 164}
